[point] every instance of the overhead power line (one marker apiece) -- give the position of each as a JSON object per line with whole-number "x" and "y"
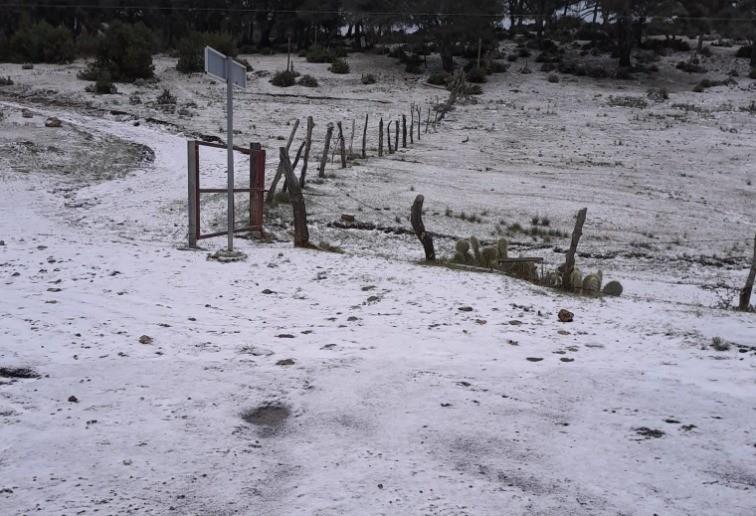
{"x": 252, "y": 10}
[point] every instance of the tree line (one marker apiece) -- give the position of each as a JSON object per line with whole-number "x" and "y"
{"x": 59, "y": 30}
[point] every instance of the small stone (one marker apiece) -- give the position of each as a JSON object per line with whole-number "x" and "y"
{"x": 515, "y": 322}
{"x": 565, "y": 359}
{"x": 465, "y": 309}
{"x": 2, "y": 243}
{"x": 285, "y": 336}
{"x": 613, "y": 288}
{"x": 145, "y": 339}
{"x": 285, "y": 362}
{"x": 26, "y": 113}
{"x": 346, "y": 217}
{"x": 267, "y": 291}
{"x": 565, "y": 315}
{"x": 533, "y": 359}
{"x": 53, "y": 122}
{"x": 73, "y": 399}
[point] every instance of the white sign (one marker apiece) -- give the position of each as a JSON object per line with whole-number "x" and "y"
{"x": 215, "y": 65}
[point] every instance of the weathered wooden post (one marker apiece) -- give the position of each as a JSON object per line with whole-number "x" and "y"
{"x": 301, "y": 233}
{"x": 351, "y": 141}
{"x": 404, "y": 131}
{"x": 412, "y": 124}
{"x": 324, "y": 158}
{"x": 364, "y": 137}
{"x": 745, "y": 294}
{"x": 396, "y": 135}
{"x": 294, "y": 166}
{"x": 388, "y": 137}
{"x": 427, "y": 122}
{"x": 342, "y": 146}
{"x": 380, "y": 138}
{"x": 569, "y": 264}
{"x": 192, "y": 160}
{"x": 416, "y": 218}
{"x": 308, "y": 141}
{"x": 291, "y": 136}
{"x": 419, "y": 121}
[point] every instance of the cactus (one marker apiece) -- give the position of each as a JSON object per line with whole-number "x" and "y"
{"x": 463, "y": 252}
{"x": 488, "y": 256}
{"x": 576, "y": 280}
{"x": 502, "y": 246}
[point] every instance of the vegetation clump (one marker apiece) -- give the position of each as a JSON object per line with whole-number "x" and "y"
{"x": 308, "y": 81}
{"x": 41, "y": 43}
{"x": 368, "y": 78}
{"x": 284, "y": 79}
{"x": 339, "y": 66}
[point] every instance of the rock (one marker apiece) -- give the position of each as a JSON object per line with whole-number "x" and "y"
{"x": 346, "y": 217}
{"x": 53, "y": 122}
{"x": 2, "y": 243}
{"x": 73, "y": 399}
{"x": 267, "y": 291}
{"x": 285, "y": 362}
{"x": 465, "y": 309}
{"x": 26, "y": 113}
{"x": 613, "y": 288}
{"x": 285, "y": 336}
{"x": 565, "y": 315}
{"x": 145, "y": 339}
{"x": 27, "y": 66}
{"x": 533, "y": 359}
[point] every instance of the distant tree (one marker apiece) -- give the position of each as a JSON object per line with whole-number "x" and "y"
{"x": 125, "y": 51}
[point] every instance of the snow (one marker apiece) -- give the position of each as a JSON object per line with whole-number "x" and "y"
{"x": 399, "y": 402}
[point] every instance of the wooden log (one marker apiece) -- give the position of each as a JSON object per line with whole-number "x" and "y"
{"x": 342, "y": 146}
{"x": 416, "y": 218}
{"x": 301, "y": 233}
{"x": 404, "y": 131}
{"x": 308, "y": 140}
{"x": 396, "y": 135}
{"x": 569, "y": 264}
{"x": 324, "y": 158}
{"x": 745, "y": 294}
{"x": 380, "y": 138}
{"x": 291, "y": 136}
{"x": 364, "y": 137}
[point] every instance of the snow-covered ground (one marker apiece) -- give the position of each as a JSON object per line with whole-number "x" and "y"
{"x": 304, "y": 382}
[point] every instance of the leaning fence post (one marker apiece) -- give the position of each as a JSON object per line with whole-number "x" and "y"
{"x": 569, "y": 264}
{"x": 745, "y": 294}
{"x": 324, "y": 158}
{"x": 301, "y": 233}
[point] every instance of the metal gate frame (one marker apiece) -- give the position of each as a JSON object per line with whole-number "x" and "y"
{"x": 256, "y": 189}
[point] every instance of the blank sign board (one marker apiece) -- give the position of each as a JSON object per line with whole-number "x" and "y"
{"x": 215, "y": 65}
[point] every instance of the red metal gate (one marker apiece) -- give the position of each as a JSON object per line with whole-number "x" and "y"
{"x": 256, "y": 189}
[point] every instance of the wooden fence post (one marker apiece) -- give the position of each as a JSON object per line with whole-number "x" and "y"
{"x": 294, "y": 166}
{"x": 308, "y": 140}
{"x": 301, "y": 233}
{"x": 416, "y": 218}
{"x": 569, "y": 264}
{"x": 380, "y": 138}
{"x": 388, "y": 137}
{"x": 427, "y": 122}
{"x": 404, "y": 131}
{"x": 396, "y": 135}
{"x": 745, "y": 294}
{"x": 419, "y": 121}
{"x": 412, "y": 124}
{"x": 364, "y": 137}
{"x": 192, "y": 184}
{"x": 342, "y": 146}
{"x": 291, "y": 136}
{"x": 351, "y": 141}
{"x": 329, "y": 134}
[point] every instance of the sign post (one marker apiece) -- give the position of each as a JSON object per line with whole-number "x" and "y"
{"x": 226, "y": 69}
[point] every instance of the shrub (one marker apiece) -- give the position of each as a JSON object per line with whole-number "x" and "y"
{"x": 6, "y": 81}
{"x": 223, "y": 42}
{"x": 752, "y": 73}
{"x": 41, "y": 43}
{"x": 476, "y": 75}
{"x": 438, "y": 78}
{"x": 690, "y": 67}
{"x": 308, "y": 81}
{"x": 166, "y": 98}
{"x": 548, "y": 67}
{"x": 553, "y": 78}
{"x": 627, "y": 101}
{"x": 125, "y": 52}
{"x": 473, "y": 89}
{"x": 284, "y": 79}
{"x": 708, "y": 83}
{"x": 103, "y": 85}
{"x": 523, "y": 52}
{"x": 512, "y": 58}
{"x": 190, "y": 50}
{"x": 496, "y": 67}
{"x": 339, "y": 66}
{"x": 657, "y": 94}
{"x": 744, "y": 52}
{"x": 368, "y": 78}
{"x": 706, "y": 51}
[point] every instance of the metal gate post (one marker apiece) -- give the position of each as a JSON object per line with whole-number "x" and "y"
{"x": 193, "y": 176}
